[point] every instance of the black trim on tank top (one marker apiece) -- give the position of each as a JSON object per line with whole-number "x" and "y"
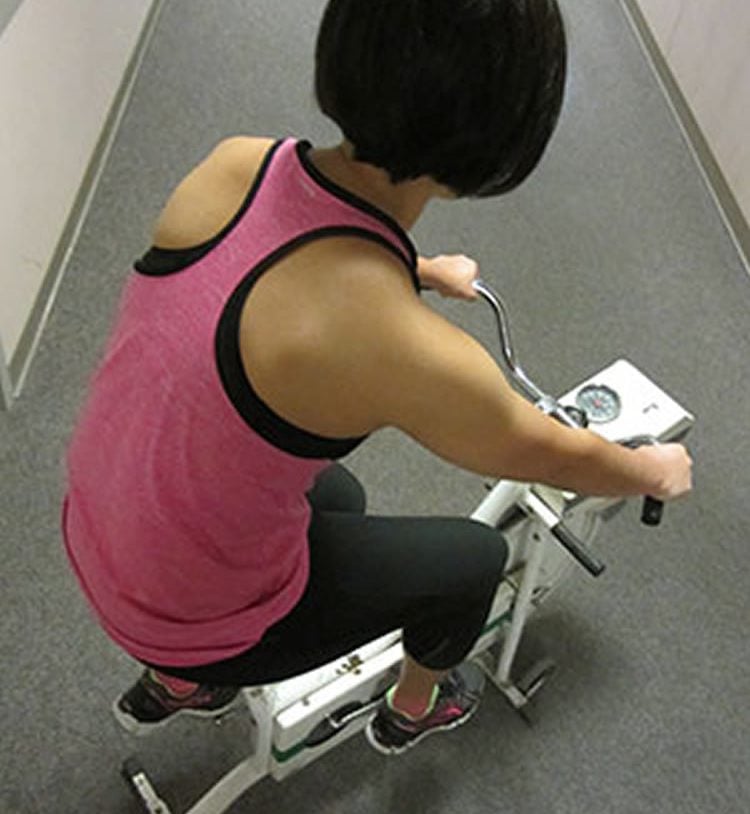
{"x": 158, "y": 262}
{"x": 303, "y": 148}
{"x": 256, "y": 413}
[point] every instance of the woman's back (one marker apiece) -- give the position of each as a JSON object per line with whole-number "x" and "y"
{"x": 176, "y": 460}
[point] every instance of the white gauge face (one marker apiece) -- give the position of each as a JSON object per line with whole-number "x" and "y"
{"x": 600, "y": 403}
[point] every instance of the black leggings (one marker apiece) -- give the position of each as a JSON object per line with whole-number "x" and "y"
{"x": 434, "y": 577}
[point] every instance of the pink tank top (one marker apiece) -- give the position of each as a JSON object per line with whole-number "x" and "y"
{"x": 186, "y": 513}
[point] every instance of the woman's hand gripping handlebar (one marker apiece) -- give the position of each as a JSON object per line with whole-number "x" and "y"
{"x": 676, "y": 480}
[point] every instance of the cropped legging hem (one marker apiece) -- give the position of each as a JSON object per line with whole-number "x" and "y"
{"x": 432, "y": 577}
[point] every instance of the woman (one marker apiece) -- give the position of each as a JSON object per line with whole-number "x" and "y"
{"x": 277, "y": 323}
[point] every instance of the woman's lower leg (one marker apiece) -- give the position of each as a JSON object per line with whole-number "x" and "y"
{"x": 415, "y": 691}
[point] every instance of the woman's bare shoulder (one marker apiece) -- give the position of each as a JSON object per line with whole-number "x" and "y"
{"x": 314, "y": 325}
{"x": 207, "y": 199}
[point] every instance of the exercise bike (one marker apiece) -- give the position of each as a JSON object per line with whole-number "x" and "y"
{"x": 549, "y": 532}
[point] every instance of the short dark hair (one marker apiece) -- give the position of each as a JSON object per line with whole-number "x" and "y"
{"x": 467, "y": 92}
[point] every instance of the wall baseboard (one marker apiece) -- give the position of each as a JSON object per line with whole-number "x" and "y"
{"x": 13, "y": 376}
{"x": 731, "y": 213}
{"x": 6, "y": 388}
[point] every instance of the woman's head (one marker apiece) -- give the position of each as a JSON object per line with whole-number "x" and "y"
{"x": 467, "y": 92}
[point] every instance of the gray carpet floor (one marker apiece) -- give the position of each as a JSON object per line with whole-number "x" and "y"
{"x": 614, "y": 248}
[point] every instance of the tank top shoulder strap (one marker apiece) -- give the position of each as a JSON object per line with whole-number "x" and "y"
{"x": 342, "y": 201}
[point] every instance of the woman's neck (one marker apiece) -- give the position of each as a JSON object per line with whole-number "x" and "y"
{"x": 404, "y": 201}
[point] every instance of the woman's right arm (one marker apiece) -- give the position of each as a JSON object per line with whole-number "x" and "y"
{"x": 443, "y": 389}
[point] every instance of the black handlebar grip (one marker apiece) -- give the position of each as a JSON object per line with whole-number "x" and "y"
{"x": 652, "y": 511}
{"x": 578, "y": 550}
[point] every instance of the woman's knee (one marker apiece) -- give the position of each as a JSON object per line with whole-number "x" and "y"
{"x": 489, "y": 554}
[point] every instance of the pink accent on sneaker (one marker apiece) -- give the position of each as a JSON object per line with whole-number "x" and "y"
{"x": 175, "y": 686}
{"x": 413, "y": 713}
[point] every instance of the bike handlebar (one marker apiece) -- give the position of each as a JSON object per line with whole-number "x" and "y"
{"x": 652, "y": 511}
{"x": 652, "y": 508}
{"x": 579, "y": 551}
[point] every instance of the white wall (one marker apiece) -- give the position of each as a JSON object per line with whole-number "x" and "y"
{"x": 707, "y": 47}
{"x": 61, "y": 65}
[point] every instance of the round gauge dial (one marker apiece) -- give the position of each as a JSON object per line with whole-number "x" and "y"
{"x": 600, "y": 403}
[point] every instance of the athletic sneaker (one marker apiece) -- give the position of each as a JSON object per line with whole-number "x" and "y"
{"x": 148, "y": 705}
{"x": 458, "y": 698}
